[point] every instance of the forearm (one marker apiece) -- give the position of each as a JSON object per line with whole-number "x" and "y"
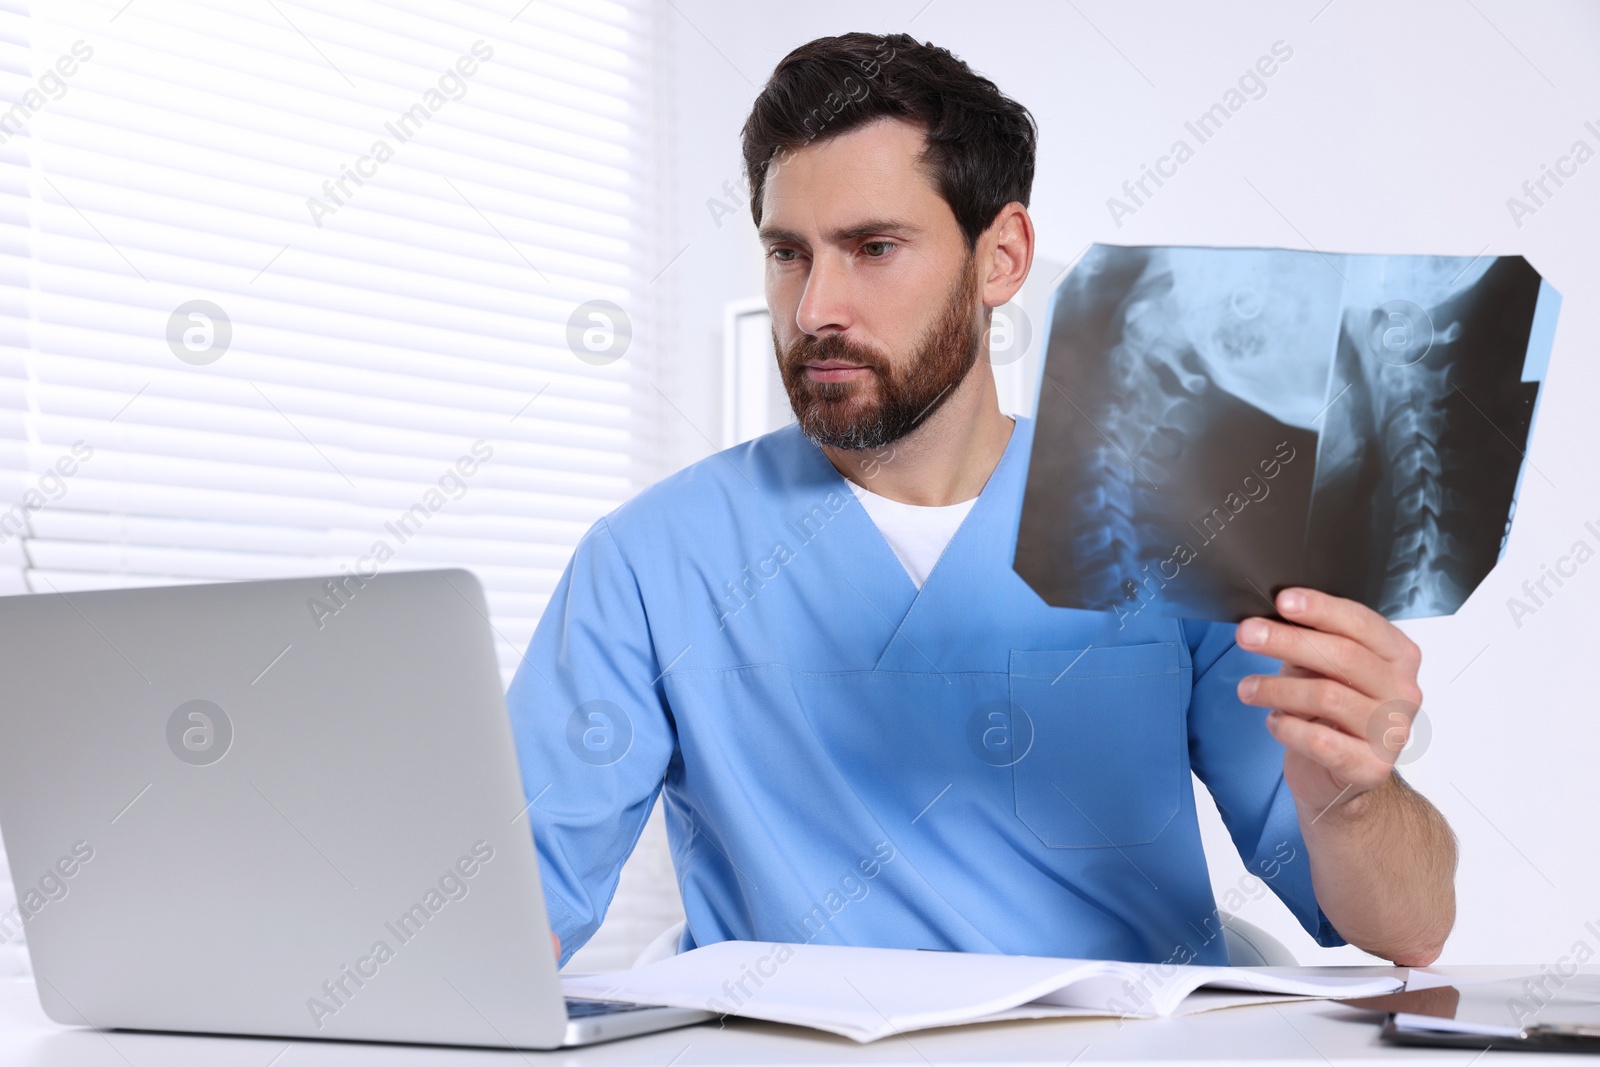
{"x": 1383, "y": 867}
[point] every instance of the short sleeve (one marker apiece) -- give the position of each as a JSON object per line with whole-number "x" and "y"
{"x": 592, "y": 731}
{"x": 1241, "y": 765}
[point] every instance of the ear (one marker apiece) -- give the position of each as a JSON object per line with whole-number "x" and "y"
{"x": 1005, "y": 254}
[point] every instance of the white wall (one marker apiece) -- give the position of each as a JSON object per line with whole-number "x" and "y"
{"x": 1393, "y": 127}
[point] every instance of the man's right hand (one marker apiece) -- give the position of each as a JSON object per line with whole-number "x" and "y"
{"x": 556, "y": 941}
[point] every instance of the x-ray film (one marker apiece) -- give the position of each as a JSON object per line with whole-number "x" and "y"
{"x": 1216, "y": 424}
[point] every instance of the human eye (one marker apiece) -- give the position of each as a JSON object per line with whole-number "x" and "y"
{"x": 886, "y": 247}
{"x": 782, "y": 255}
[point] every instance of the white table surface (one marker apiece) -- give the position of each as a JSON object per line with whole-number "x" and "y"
{"x": 1309, "y": 1033}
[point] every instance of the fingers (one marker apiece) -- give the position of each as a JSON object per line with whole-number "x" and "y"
{"x": 1383, "y": 727}
{"x": 1346, "y": 758}
{"x": 1311, "y": 698}
{"x": 1359, "y": 623}
{"x": 1325, "y": 654}
{"x": 1346, "y": 691}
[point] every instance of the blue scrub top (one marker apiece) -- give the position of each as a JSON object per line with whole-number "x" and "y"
{"x": 848, "y": 760}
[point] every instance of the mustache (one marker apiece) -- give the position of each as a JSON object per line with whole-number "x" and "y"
{"x": 809, "y": 349}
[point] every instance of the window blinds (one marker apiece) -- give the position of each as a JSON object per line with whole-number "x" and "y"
{"x": 301, "y": 286}
{"x": 16, "y": 285}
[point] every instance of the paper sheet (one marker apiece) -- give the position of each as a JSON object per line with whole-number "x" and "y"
{"x": 868, "y": 993}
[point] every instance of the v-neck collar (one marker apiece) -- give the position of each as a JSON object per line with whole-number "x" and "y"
{"x": 881, "y": 578}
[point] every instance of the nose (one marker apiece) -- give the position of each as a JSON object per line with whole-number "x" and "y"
{"x": 825, "y": 303}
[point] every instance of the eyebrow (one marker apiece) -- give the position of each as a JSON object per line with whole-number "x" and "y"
{"x": 850, "y": 233}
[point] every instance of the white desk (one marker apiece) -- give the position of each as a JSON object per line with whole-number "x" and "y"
{"x": 1313, "y": 1033}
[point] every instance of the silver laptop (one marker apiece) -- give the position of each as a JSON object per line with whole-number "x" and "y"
{"x": 288, "y": 808}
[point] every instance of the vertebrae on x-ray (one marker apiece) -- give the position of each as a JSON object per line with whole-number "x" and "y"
{"x": 1145, "y": 425}
{"x": 1399, "y": 319}
{"x": 1266, "y": 332}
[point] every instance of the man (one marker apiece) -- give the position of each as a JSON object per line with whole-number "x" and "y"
{"x": 865, "y": 727}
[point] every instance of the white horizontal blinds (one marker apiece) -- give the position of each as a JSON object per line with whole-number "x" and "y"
{"x": 15, "y": 314}
{"x": 16, "y": 288}
{"x": 397, "y": 207}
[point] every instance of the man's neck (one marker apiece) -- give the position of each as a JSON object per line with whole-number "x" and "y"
{"x": 945, "y": 460}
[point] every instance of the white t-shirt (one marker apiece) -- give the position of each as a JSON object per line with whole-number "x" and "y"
{"x": 917, "y": 534}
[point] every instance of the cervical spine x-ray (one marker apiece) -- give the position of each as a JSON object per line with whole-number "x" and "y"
{"x": 1216, "y": 424}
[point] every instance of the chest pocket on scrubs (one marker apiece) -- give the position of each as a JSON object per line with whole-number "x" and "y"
{"x": 1106, "y": 763}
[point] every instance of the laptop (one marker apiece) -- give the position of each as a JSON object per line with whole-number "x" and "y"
{"x": 286, "y": 808}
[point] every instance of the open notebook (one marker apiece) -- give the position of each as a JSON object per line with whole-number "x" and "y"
{"x": 868, "y": 993}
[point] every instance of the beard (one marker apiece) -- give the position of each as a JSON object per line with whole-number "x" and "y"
{"x": 888, "y": 402}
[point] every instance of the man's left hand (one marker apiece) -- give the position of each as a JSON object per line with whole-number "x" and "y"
{"x": 1344, "y": 698}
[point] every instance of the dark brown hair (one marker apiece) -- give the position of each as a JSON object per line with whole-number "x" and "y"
{"x": 979, "y": 146}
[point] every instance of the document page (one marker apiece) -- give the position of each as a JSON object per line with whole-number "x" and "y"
{"x": 868, "y": 993}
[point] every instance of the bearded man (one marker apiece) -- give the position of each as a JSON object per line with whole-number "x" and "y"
{"x": 865, "y": 727}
